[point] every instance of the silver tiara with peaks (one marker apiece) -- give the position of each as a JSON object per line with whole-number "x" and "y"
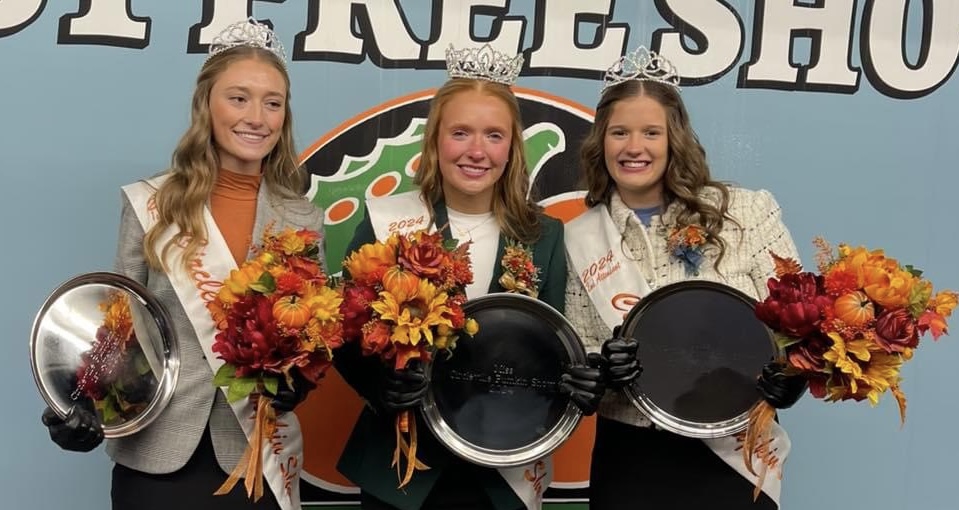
{"x": 483, "y": 63}
{"x": 248, "y": 32}
{"x": 641, "y": 65}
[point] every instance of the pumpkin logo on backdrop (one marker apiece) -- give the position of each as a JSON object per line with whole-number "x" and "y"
{"x": 905, "y": 49}
{"x": 377, "y": 153}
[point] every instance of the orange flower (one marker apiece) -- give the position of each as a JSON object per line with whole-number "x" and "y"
{"x": 368, "y": 264}
{"x": 376, "y": 337}
{"x": 291, "y": 243}
{"x": 423, "y": 255}
{"x": 944, "y": 302}
{"x": 239, "y": 281}
{"x": 888, "y": 288}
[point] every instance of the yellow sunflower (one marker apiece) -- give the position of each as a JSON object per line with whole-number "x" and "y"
{"x": 415, "y": 318}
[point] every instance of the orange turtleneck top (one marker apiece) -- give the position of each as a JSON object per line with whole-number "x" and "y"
{"x": 233, "y": 206}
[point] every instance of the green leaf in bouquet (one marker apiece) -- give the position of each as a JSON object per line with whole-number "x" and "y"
{"x": 141, "y": 364}
{"x": 240, "y": 388}
{"x": 919, "y": 297}
{"x": 265, "y": 285}
{"x": 450, "y": 244}
{"x": 784, "y": 341}
{"x": 224, "y": 375}
{"x": 108, "y": 409}
{"x": 271, "y": 384}
{"x": 912, "y": 270}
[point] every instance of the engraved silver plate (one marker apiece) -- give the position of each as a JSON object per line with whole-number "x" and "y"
{"x": 496, "y": 401}
{"x": 102, "y": 341}
{"x": 702, "y": 348}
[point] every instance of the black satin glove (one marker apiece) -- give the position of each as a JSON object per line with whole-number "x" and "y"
{"x": 779, "y": 389}
{"x": 286, "y": 398}
{"x": 404, "y": 389}
{"x": 621, "y": 362}
{"x": 585, "y": 385}
{"x": 80, "y": 431}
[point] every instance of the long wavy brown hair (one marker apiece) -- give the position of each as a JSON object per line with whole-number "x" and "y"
{"x": 181, "y": 197}
{"x": 687, "y": 173}
{"x": 515, "y": 213}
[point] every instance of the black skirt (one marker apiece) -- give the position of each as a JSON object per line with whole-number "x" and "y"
{"x": 635, "y": 467}
{"x": 192, "y": 486}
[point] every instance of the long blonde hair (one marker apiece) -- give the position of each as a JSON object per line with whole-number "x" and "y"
{"x": 515, "y": 213}
{"x": 195, "y": 164}
{"x": 687, "y": 173}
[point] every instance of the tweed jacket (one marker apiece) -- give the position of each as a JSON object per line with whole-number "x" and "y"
{"x": 366, "y": 457}
{"x": 746, "y": 266}
{"x": 167, "y": 444}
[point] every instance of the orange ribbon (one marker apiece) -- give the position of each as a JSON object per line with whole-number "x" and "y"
{"x": 251, "y": 462}
{"x": 406, "y": 424}
{"x": 757, "y": 442}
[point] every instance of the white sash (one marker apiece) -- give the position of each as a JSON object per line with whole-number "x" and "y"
{"x": 595, "y": 250}
{"x": 406, "y": 212}
{"x": 283, "y": 454}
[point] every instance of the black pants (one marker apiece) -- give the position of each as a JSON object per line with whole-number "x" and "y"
{"x": 456, "y": 489}
{"x": 190, "y": 487}
{"x": 635, "y": 467}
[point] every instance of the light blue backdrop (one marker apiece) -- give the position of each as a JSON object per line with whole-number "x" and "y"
{"x": 79, "y": 120}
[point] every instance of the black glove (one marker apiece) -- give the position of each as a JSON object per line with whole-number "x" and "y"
{"x": 585, "y": 385}
{"x": 80, "y": 431}
{"x": 779, "y": 389}
{"x": 286, "y": 398}
{"x": 403, "y": 389}
{"x": 621, "y": 364}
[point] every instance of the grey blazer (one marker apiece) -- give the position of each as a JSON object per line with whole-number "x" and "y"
{"x": 167, "y": 444}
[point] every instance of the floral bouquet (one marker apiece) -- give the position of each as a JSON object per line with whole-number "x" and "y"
{"x": 275, "y": 314}
{"x": 404, "y": 301}
{"x": 519, "y": 273}
{"x": 848, "y": 329}
{"x": 115, "y": 373}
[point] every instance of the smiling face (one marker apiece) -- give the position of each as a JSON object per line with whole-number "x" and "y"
{"x": 636, "y": 150}
{"x": 247, "y": 110}
{"x": 473, "y": 145}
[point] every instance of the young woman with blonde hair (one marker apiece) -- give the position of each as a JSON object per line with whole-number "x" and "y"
{"x": 234, "y": 172}
{"x": 473, "y": 182}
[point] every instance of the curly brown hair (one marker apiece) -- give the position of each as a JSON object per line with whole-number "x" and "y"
{"x": 687, "y": 173}
{"x": 516, "y": 214}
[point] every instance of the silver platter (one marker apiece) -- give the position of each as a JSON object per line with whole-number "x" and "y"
{"x": 124, "y": 366}
{"x": 496, "y": 402}
{"x": 702, "y": 349}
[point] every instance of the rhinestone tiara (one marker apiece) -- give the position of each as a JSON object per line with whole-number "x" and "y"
{"x": 248, "y": 32}
{"x": 641, "y": 65}
{"x": 483, "y": 63}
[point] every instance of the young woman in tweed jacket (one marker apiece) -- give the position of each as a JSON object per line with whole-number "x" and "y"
{"x": 646, "y": 173}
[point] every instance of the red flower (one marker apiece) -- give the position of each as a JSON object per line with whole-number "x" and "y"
{"x": 253, "y": 341}
{"x": 456, "y": 316}
{"x": 795, "y": 304}
{"x": 355, "y": 309}
{"x": 807, "y": 355}
{"x": 896, "y": 331}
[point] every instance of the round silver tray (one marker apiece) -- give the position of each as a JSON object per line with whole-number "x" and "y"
{"x": 702, "y": 348}
{"x": 495, "y": 401}
{"x": 127, "y": 378}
